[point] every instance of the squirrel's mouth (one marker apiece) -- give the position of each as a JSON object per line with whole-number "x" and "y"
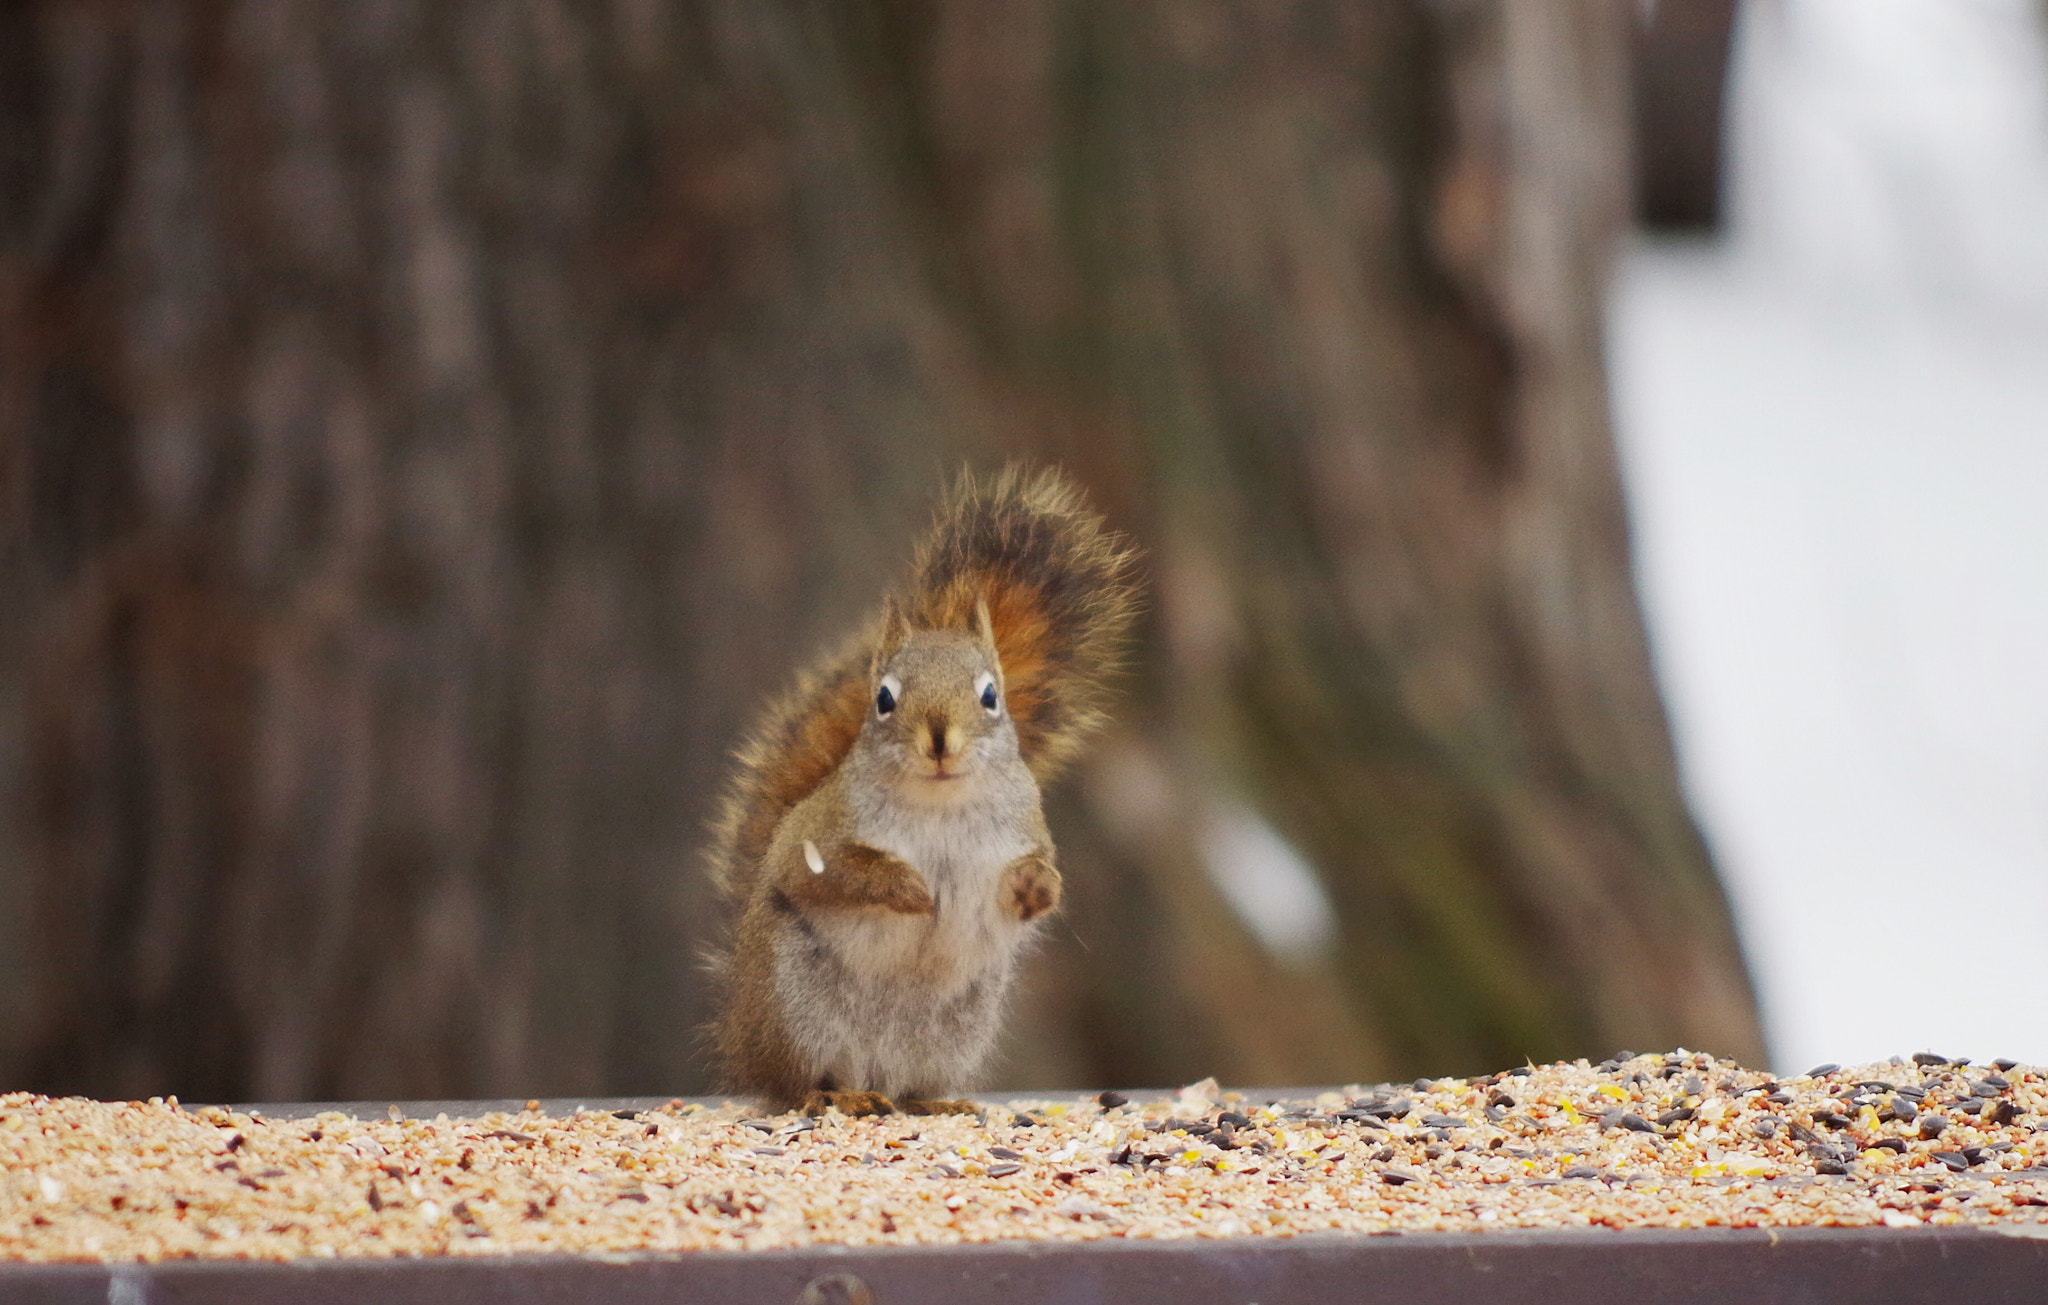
{"x": 947, "y": 789}
{"x": 942, "y": 775}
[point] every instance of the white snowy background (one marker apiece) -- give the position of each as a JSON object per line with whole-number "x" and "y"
{"x": 1834, "y": 428}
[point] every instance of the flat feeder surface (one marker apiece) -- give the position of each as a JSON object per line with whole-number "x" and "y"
{"x": 1945, "y": 1166}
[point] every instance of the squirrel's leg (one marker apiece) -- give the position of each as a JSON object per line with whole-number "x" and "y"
{"x": 853, "y": 875}
{"x": 1030, "y": 886}
{"x": 924, "y": 1106}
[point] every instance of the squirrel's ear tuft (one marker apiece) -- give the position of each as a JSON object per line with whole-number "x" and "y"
{"x": 895, "y": 629}
{"x": 984, "y": 628}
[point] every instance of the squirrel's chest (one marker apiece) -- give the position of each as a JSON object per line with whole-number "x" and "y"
{"x": 952, "y": 855}
{"x": 968, "y": 934}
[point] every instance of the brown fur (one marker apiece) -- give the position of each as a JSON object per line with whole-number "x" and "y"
{"x": 1016, "y": 560}
{"x": 802, "y": 738}
{"x": 859, "y": 876}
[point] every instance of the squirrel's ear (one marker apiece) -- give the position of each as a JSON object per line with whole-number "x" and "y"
{"x": 984, "y": 628}
{"x": 895, "y": 629}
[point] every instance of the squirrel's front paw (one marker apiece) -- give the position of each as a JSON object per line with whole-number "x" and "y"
{"x": 856, "y": 875}
{"x": 1030, "y": 888}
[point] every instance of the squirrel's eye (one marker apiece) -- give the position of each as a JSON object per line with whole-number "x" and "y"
{"x": 986, "y": 690}
{"x": 885, "y": 697}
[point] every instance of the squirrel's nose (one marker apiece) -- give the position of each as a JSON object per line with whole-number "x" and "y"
{"x": 943, "y": 741}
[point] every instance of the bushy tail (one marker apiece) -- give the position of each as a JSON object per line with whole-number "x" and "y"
{"x": 1059, "y": 594}
{"x": 799, "y": 741}
{"x": 1061, "y": 601}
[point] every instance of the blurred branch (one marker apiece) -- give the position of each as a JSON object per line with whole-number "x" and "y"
{"x": 1682, "y": 50}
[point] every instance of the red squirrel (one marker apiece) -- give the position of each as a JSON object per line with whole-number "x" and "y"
{"x": 882, "y": 839}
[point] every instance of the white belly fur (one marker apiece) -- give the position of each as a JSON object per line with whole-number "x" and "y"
{"x": 910, "y": 1005}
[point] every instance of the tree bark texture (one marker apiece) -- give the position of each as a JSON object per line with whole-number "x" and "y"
{"x": 428, "y": 431}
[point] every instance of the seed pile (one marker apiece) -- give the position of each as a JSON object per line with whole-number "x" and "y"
{"x": 1678, "y": 1140}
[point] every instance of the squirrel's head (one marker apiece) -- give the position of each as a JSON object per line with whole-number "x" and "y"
{"x": 936, "y": 714}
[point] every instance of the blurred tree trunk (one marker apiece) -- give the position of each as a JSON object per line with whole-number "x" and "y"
{"x": 426, "y": 433}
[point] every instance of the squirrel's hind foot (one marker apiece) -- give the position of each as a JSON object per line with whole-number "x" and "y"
{"x": 848, "y": 1103}
{"x": 918, "y": 1106}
